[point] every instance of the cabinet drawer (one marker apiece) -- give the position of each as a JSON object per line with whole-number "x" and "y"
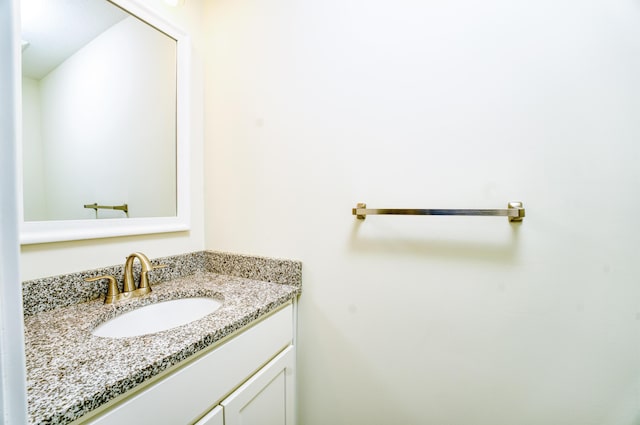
{"x": 184, "y": 396}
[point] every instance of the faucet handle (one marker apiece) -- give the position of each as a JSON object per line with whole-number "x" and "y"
{"x": 144, "y": 286}
{"x": 112, "y": 289}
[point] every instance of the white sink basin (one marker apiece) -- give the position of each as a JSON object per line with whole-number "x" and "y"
{"x": 157, "y": 317}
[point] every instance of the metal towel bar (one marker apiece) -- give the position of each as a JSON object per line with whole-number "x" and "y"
{"x": 514, "y": 211}
{"x": 124, "y": 207}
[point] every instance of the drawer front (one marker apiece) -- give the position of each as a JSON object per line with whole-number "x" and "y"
{"x": 184, "y": 396}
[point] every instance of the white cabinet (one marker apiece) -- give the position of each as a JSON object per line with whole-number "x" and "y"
{"x": 251, "y": 375}
{"x": 267, "y": 398}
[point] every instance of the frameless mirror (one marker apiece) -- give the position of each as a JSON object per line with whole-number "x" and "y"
{"x": 104, "y": 131}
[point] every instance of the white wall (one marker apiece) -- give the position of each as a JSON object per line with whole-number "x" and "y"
{"x": 314, "y": 106}
{"x": 35, "y": 206}
{"x": 56, "y": 258}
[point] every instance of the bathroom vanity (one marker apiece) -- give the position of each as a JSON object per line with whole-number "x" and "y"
{"x": 235, "y": 365}
{"x": 214, "y": 389}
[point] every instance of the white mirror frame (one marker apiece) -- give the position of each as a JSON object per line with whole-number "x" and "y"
{"x": 33, "y": 232}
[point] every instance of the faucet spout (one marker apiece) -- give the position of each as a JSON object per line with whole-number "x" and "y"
{"x": 129, "y": 283}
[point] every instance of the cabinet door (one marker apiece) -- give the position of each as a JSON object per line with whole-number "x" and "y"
{"x": 267, "y": 398}
{"x": 214, "y": 417}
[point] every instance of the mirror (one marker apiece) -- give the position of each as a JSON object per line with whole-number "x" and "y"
{"x": 104, "y": 121}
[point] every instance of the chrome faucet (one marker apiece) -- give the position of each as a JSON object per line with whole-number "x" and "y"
{"x": 129, "y": 289}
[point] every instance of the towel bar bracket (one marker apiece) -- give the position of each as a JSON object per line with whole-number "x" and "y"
{"x": 520, "y": 210}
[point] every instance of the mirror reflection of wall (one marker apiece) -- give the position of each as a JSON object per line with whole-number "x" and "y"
{"x": 99, "y": 112}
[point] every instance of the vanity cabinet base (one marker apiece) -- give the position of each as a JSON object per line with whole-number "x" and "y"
{"x": 256, "y": 366}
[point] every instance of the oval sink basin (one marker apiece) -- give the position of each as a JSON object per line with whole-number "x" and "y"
{"x": 157, "y": 317}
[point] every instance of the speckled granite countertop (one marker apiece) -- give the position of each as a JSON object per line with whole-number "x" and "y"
{"x": 71, "y": 372}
